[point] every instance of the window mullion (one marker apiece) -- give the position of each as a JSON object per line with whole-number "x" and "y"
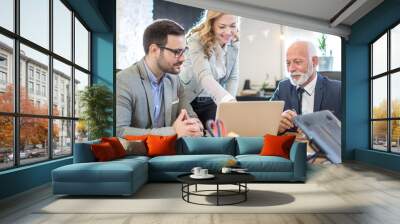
{"x": 16, "y": 83}
{"x": 50, "y": 81}
{"x": 371, "y": 89}
{"x": 389, "y": 106}
{"x": 73, "y": 82}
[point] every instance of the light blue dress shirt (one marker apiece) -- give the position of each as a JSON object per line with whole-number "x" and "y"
{"x": 157, "y": 89}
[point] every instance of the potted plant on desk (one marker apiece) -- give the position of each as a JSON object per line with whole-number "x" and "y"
{"x": 325, "y": 62}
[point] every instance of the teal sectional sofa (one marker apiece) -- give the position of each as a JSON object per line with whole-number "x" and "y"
{"x": 125, "y": 176}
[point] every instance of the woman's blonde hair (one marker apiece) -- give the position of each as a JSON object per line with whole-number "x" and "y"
{"x": 205, "y": 31}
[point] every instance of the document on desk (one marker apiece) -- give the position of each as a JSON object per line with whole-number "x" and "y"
{"x": 324, "y": 130}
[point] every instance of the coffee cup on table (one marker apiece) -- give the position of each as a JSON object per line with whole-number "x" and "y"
{"x": 196, "y": 171}
{"x": 203, "y": 172}
{"x": 226, "y": 170}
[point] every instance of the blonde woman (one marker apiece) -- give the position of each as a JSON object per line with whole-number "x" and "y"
{"x": 210, "y": 73}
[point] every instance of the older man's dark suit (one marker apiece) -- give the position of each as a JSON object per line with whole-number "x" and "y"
{"x": 327, "y": 95}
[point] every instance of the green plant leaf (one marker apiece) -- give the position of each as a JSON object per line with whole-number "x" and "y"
{"x": 96, "y": 102}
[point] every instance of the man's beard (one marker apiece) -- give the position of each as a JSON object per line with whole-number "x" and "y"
{"x": 303, "y": 77}
{"x": 163, "y": 65}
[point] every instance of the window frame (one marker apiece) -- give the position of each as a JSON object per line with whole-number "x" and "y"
{"x": 16, "y": 114}
{"x": 388, "y": 74}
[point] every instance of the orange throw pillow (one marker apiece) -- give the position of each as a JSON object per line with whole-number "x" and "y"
{"x": 135, "y": 137}
{"x": 116, "y": 145}
{"x": 161, "y": 145}
{"x": 103, "y": 152}
{"x": 277, "y": 145}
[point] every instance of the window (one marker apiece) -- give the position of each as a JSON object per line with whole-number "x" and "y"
{"x": 7, "y": 14}
{"x": 37, "y": 74}
{"x": 6, "y": 73}
{"x": 3, "y": 61}
{"x": 62, "y": 130}
{"x": 385, "y": 96}
{"x": 38, "y": 89}
{"x": 81, "y": 81}
{"x": 46, "y": 131}
{"x": 3, "y": 78}
{"x": 30, "y": 72}
{"x": 34, "y": 22}
{"x": 81, "y": 45}
{"x": 30, "y": 87}
{"x": 43, "y": 90}
{"x": 6, "y": 143}
{"x": 62, "y": 29}
{"x": 3, "y": 72}
{"x": 62, "y": 75}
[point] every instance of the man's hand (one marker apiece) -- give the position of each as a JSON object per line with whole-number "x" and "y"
{"x": 195, "y": 120}
{"x": 286, "y": 120}
{"x": 300, "y": 136}
{"x": 186, "y": 126}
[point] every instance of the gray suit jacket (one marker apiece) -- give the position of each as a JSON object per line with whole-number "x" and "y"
{"x": 135, "y": 102}
{"x": 197, "y": 65}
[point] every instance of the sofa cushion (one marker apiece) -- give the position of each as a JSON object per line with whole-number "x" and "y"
{"x": 103, "y": 152}
{"x": 116, "y": 145}
{"x": 249, "y": 145}
{"x": 131, "y": 158}
{"x": 277, "y": 145}
{"x": 257, "y": 163}
{"x": 136, "y": 137}
{"x": 206, "y": 145}
{"x": 185, "y": 163}
{"x": 161, "y": 145}
{"x": 112, "y": 171}
{"x": 134, "y": 147}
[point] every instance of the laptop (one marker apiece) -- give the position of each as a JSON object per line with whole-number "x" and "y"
{"x": 251, "y": 118}
{"x": 324, "y": 130}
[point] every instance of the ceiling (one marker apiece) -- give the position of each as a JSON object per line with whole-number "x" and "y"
{"x": 326, "y": 16}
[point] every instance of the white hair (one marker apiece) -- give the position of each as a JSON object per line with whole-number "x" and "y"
{"x": 312, "y": 51}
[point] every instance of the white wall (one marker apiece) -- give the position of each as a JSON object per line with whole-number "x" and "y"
{"x": 263, "y": 50}
{"x": 333, "y": 43}
{"x": 130, "y": 30}
{"x": 260, "y": 52}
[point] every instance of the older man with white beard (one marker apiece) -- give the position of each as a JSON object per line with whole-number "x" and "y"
{"x": 305, "y": 91}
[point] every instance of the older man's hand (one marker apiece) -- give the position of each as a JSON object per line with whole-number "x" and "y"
{"x": 286, "y": 120}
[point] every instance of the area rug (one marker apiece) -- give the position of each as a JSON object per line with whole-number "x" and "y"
{"x": 167, "y": 198}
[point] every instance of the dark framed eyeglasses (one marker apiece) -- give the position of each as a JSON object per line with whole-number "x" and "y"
{"x": 177, "y": 52}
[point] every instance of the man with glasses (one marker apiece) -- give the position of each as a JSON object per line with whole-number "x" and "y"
{"x": 149, "y": 94}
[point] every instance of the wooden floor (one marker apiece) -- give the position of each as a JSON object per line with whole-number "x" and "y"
{"x": 378, "y": 188}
